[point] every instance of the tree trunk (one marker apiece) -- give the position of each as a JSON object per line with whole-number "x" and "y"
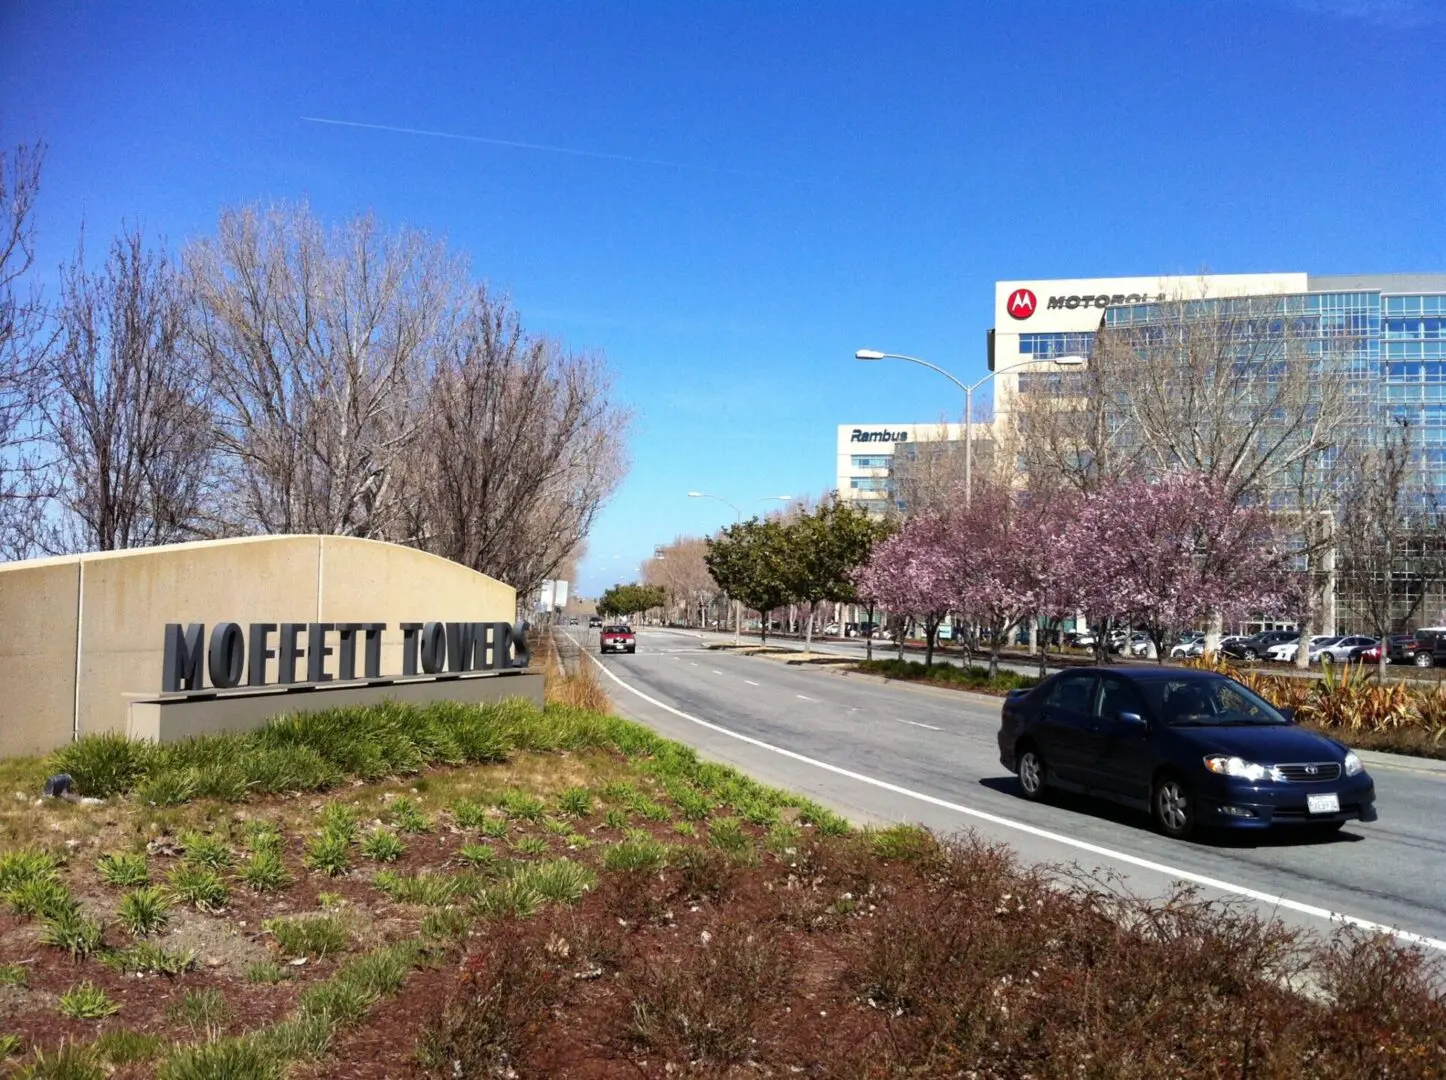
{"x": 763, "y": 626}
{"x": 808, "y": 632}
{"x": 1214, "y": 631}
{"x": 869, "y": 637}
{"x": 899, "y": 629}
{"x": 931, "y": 631}
{"x": 1049, "y": 627}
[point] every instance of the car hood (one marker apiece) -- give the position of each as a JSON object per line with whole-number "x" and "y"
{"x": 1263, "y": 745}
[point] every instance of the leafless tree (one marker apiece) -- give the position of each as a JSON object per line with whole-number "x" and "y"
{"x": 316, "y": 343}
{"x": 520, "y": 446}
{"x": 126, "y": 422}
{"x": 22, "y": 350}
{"x": 681, "y": 572}
{"x": 1392, "y": 553}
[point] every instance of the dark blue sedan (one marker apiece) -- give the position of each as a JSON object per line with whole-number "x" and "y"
{"x": 1195, "y": 749}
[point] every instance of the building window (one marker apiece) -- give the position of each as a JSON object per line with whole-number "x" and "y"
{"x": 862, "y": 461}
{"x": 1048, "y": 346}
{"x": 869, "y": 483}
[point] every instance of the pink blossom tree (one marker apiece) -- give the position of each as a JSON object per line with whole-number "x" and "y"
{"x": 911, "y": 573}
{"x": 1164, "y": 554}
{"x": 991, "y": 556}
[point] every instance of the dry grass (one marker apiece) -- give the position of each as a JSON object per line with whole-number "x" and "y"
{"x": 571, "y": 679}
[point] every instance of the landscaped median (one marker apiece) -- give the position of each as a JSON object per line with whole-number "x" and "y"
{"x": 500, "y": 890}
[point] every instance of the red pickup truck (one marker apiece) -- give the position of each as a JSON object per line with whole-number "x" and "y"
{"x": 617, "y": 638}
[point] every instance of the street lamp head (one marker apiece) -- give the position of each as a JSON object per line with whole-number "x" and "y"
{"x": 1070, "y": 361}
{"x": 695, "y": 495}
{"x": 868, "y": 354}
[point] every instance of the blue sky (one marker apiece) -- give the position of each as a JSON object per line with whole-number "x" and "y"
{"x": 758, "y": 189}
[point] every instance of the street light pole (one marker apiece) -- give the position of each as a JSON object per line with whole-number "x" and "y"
{"x": 1058, "y": 361}
{"x": 737, "y": 520}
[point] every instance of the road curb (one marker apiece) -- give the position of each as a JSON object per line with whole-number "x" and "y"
{"x": 1434, "y": 766}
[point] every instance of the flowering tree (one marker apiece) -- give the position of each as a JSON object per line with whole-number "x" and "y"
{"x": 1166, "y": 553}
{"x": 912, "y": 573}
{"x": 993, "y": 561}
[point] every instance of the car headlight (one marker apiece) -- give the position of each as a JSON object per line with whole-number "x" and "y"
{"x": 1234, "y": 766}
{"x": 1353, "y": 764}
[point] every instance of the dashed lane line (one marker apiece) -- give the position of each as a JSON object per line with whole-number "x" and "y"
{"x": 750, "y": 682}
{"x": 915, "y": 723}
{"x": 1174, "y": 873}
{"x": 805, "y": 697}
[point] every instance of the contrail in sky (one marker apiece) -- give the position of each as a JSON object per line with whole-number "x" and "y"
{"x": 546, "y": 149}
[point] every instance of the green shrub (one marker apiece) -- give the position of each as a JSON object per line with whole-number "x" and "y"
{"x": 203, "y": 1011}
{"x": 469, "y": 814}
{"x": 13, "y": 975}
{"x": 170, "y": 787}
{"x": 531, "y": 845}
{"x": 37, "y": 897}
{"x": 123, "y": 870}
{"x": 575, "y": 802}
{"x": 407, "y": 817}
{"x": 519, "y": 804}
{"x": 561, "y": 880}
{"x": 205, "y": 849}
{"x": 121, "y": 1046}
{"x": 72, "y": 931}
{"x": 266, "y": 973}
{"x": 263, "y": 836}
{"x": 339, "y": 819}
{"x": 478, "y": 855}
{"x": 199, "y": 886}
{"x": 615, "y": 819}
{"x": 301, "y": 1038}
{"x": 494, "y": 828}
{"x": 448, "y": 924}
{"x": 727, "y": 834}
{"x": 87, "y": 1002}
{"x": 103, "y": 765}
{"x": 225, "y": 1059}
{"x": 148, "y": 958}
{"x": 9, "y": 1046}
{"x": 18, "y": 867}
{"x": 329, "y": 852}
{"x": 431, "y": 890}
{"x": 265, "y": 871}
{"x": 514, "y": 898}
{"x": 313, "y": 936}
{"x": 71, "y": 1062}
{"x": 144, "y": 911}
{"x": 381, "y": 845}
{"x": 645, "y": 855}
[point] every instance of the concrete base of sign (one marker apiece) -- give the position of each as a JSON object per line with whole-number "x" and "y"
{"x": 170, "y": 718}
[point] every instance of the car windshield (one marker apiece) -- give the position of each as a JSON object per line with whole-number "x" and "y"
{"x": 1198, "y": 702}
{"x": 617, "y": 630}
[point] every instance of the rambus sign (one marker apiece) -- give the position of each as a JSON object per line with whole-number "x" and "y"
{"x": 860, "y": 435}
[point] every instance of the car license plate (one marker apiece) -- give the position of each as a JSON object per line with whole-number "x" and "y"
{"x": 1323, "y": 804}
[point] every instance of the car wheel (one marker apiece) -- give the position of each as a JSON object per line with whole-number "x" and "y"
{"x": 1250, "y": 654}
{"x": 1423, "y": 659}
{"x": 1174, "y": 808}
{"x": 1030, "y": 769}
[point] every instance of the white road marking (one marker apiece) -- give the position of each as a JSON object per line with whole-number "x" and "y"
{"x": 750, "y": 682}
{"x": 801, "y": 697}
{"x": 717, "y": 672}
{"x": 1045, "y": 834}
{"x": 916, "y": 723}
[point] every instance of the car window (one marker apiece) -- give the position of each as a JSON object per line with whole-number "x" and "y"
{"x": 1216, "y": 700}
{"x": 1115, "y": 696}
{"x": 1071, "y": 692}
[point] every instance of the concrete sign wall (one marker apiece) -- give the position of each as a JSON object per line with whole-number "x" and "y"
{"x": 83, "y": 636}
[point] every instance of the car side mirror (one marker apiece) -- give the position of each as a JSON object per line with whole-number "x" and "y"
{"x": 1288, "y": 713}
{"x": 1132, "y": 719}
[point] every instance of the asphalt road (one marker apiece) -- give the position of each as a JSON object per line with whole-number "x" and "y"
{"x": 883, "y": 752}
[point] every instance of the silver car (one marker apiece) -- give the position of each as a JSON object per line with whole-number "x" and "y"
{"x": 1343, "y": 650}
